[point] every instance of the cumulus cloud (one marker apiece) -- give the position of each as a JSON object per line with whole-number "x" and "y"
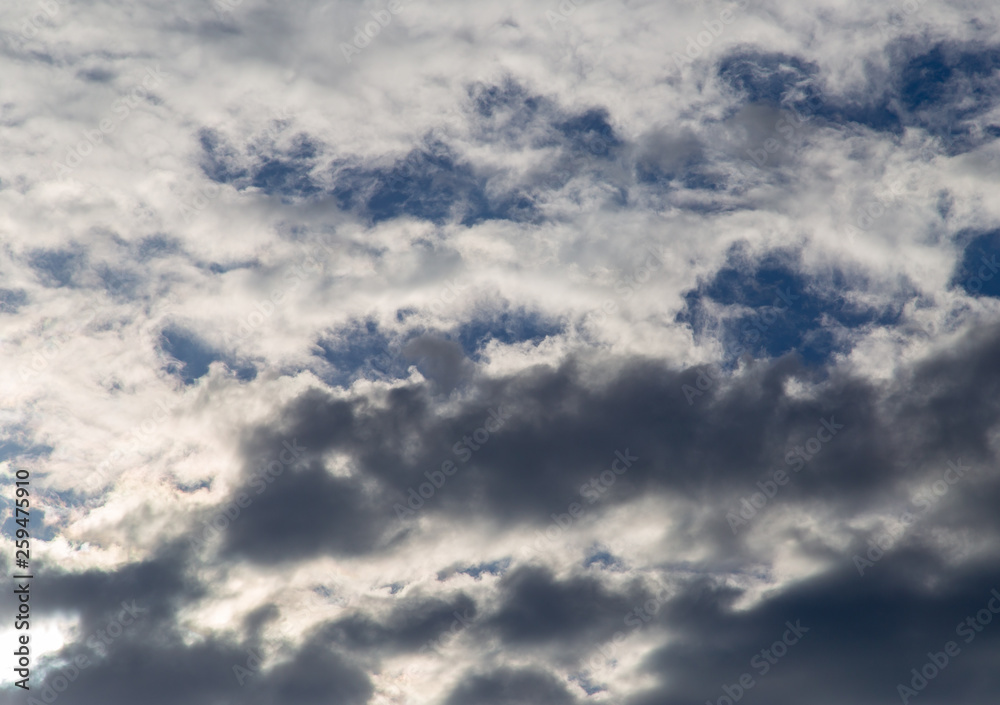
{"x": 573, "y": 352}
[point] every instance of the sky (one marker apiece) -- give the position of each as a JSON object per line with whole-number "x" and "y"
{"x": 612, "y": 352}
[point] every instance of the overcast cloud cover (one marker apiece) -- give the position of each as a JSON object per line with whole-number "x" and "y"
{"x": 626, "y": 352}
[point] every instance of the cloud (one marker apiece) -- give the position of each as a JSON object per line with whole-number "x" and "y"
{"x": 539, "y": 353}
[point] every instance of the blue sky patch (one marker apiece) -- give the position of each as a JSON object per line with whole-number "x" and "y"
{"x": 590, "y": 132}
{"x": 57, "y": 267}
{"x": 508, "y": 102}
{"x": 156, "y": 246}
{"x": 768, "y": 77}
{"x": 37, "y": 527}
{"x": 945, "y": 88}
{"x": 19, "y": 445}
{"x": 978, "y": 272}
{"x": 11, "y": 300}
{"x": 359, "y": 349}
{"x": 120, "y": 282}
{"x": 284, "y": 173}
{"x": 787, "y": 312}
{"x": 220, "y": 161}
{"x": 191, "y": 356}
{"x": 604, "y": 560}
{"x": 587, "y": 685}
{"x": 946, "y": 76}
{"x": 492, "y": 568}
{"x": 429, "y": 183}
{"x": 507, "y": 327}
{"x": 940, "y": 89}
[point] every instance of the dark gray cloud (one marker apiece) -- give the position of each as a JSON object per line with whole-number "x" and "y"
{"x": 508, "y": 686}
{"x": 563, "y": 431}
{"x": 877, "y": 627}
{"x": 411, "y": 627}
{"x": 331, "y": 514}
{"x": 565, "y": 615}
{"x": 132, "y": 646}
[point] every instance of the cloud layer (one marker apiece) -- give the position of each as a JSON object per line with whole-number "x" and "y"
{"x": 496, "y": 353}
